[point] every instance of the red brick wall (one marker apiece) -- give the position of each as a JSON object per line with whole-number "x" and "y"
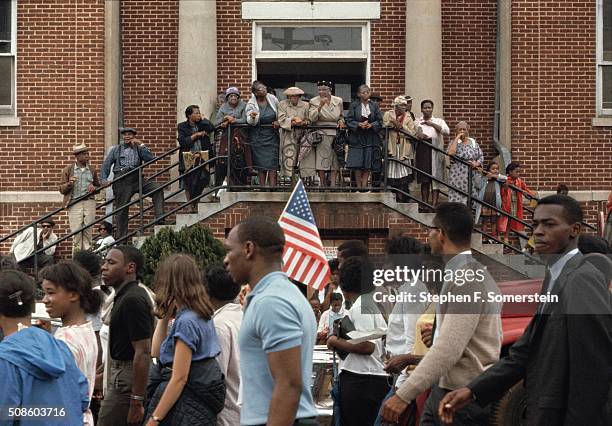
{"x": 369, "y": 220}
{"x": 150, "y": 66}
{"x": 388, "y": 47}
{"x": 468, "y": 67}
{"x": 553, "y": 96}
{"x": 60, "y": 91}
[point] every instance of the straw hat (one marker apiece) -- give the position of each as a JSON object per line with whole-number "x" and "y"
{"x": 292, "y": 91}
{"x": 77, "y": 149}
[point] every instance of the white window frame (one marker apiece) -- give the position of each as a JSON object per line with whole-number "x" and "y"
{"x": 331, "y": 55}
{"x": 11, "y": 111}
{"x": 601, "y": 111}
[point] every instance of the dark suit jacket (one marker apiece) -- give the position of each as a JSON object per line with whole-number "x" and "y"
{"x": 564, "y": 356}
{"x": 185, "y": 142}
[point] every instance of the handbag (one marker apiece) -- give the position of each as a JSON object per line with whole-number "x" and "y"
{"x": 345, "y": 326}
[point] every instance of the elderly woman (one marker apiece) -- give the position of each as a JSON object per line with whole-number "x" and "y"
{"x": 365, "y": 121}
{"x": 399, "y": 146}
{"x": 262, "y": 109}
{"x": 231, "y": 112}
{"x": 466, "y": 148}
{"x": 292, "y": 117}
{"x": 325, "y": 110}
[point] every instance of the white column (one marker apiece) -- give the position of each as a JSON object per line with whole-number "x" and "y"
{"x": 505, "y": 73}
{"x": 197, "y": 56}
{"x": 112, "y": 49}
{"x": 424, "y": 53}
{"x": 197, "y": 60}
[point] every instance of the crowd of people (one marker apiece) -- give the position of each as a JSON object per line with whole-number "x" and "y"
{"x": 234, "y": 344}
{"x": 314, "y": 140}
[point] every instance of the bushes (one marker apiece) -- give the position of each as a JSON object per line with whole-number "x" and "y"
{"x": 196, "y": 240}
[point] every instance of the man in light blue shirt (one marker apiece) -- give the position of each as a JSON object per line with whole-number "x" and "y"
{"x": 278, "y": 330}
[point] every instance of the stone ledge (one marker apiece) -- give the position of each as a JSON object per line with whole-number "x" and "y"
{"x": 601, "y": 122}
{"x": 9, "y": 121}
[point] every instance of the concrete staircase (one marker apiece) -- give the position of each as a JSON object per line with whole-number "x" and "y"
{"x": 518, "y": 264}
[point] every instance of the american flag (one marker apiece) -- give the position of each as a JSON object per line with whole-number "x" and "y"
{"x": 303, "y": 258}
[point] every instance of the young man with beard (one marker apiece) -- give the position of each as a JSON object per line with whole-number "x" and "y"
{"x": 131, "y": 330}
{"x": 278, "y": 332}
{"x": 564, "y": 354}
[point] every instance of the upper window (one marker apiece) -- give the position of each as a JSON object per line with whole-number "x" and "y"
{"x": 311, "y": 38}
{"x": 8, "y": 24}
{"x": 604, "y": 57}
{"x": 321, "y": 40}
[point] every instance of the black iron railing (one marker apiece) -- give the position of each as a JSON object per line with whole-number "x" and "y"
{"x": 232, "y": 185}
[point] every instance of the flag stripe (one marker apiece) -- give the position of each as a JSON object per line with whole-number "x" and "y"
{"x": 292, "y": 240}
{"x": 293, "y": 262}
{"x": 301, "y": 224}
{"x": 298, "y": 274}
{"x": 299, "y": 230}
{"x": 313, "y": 271}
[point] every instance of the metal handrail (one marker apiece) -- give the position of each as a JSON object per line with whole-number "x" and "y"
{"x": 228, "y": 129}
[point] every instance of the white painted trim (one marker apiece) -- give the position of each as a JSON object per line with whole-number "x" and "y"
{"x": 601, "y": 121}
{"x": 600, "y": 63}
{"x": 31, "y": 197}
{"x": 9, "y": 197}
{"x": 310, "y": 10}
{"x": 9, "y": 121}
{"x": 11, "y": 113}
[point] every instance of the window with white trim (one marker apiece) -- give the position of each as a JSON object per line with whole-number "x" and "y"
{"x": 604, "y": 57}
{"x": 8, "y": 53}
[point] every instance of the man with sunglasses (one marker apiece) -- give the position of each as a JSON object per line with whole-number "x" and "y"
{"x": 23, "y": 246}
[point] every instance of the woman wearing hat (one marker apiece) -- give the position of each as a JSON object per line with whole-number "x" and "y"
{"x": 262, "y": 109}
{"x": 231, "y": 112}
{"x": 325, "y": 110}
{"x": 399, "y": 146}
{"x": 365, "y": 121}
{"x": 292, "y": 116}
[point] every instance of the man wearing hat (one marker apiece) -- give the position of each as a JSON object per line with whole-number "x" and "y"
{"x": 78, "y": 181}
{"x": 124, "y": 158}
{"x": 292, "y": 116}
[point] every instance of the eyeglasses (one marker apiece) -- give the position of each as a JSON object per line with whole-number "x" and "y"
{"x": 46, "y": 226}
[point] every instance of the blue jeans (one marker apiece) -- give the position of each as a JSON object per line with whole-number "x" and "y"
{"x": 391, "y": 392}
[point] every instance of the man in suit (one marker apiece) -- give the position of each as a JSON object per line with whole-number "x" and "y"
{"x": 564, "y": 354}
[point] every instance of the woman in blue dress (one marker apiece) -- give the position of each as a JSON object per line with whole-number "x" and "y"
{"x": 365, "y": 121}
{"x": 262, "y": 110}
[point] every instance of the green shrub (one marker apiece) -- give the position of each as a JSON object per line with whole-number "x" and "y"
{"x": 195, "y": 240}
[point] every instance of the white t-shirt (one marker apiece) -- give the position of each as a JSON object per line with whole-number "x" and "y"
{"x": 227, "y": 321}
{"x": 81, "y": 341}
{"x": 365, "y": 364}
{"x": 403, "y": 318}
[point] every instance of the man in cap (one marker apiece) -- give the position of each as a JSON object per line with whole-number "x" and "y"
{"x": 79, "y": 181}
{"x": 126, "y": 157}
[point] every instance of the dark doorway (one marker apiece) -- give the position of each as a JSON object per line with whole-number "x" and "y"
{"x": 346, "y": 76}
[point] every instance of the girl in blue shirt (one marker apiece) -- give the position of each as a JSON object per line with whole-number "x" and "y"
{"x": 186, "y": 386}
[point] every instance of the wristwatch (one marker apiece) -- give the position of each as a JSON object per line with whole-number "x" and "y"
{"x": 156, "y": 419}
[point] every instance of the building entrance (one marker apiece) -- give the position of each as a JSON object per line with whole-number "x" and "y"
{"x": 346, "y": 75}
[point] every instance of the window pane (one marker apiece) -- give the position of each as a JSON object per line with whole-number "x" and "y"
{"x": 606, "y": 87}
{"x": 607, "y": 30}
{"x": 6, "y": 82}
{"x": 311, "y": 38}
{"x": 5, "y": 19}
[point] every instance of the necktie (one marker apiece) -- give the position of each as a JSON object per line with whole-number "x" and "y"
{"x": 545, "y": 289}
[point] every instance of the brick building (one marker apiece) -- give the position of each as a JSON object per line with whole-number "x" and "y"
{"x": 533, "y": 78}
